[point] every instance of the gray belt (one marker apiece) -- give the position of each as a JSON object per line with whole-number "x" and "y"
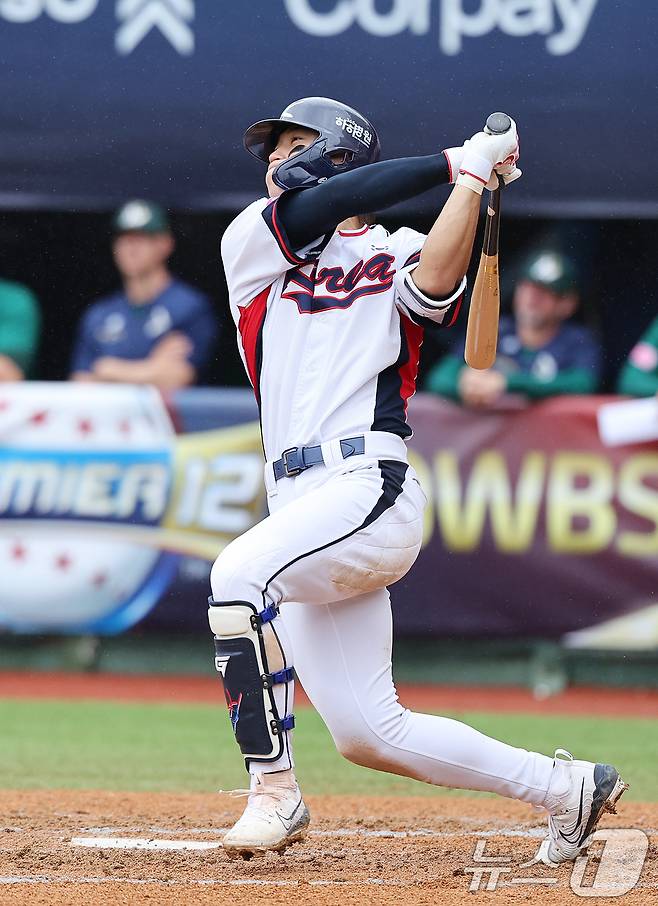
{"x": 296, "y": 460}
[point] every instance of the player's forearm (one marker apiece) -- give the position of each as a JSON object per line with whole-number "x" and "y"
{"x": 447, "y": 250}
{"x": 314, "y": 212}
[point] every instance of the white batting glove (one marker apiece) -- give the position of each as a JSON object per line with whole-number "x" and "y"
{"x": 455, "y": 156}
{"x": 483, "y": 153}
{"x": 508, "y": 172}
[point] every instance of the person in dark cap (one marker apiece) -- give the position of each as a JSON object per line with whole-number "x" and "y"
{"x": 541, "y": 352}
{"x": 156, "y": 329}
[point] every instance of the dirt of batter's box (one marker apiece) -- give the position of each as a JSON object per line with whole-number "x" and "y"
{"x": 360, "y": 850}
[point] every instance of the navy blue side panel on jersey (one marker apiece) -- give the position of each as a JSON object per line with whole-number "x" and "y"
{"x": 389, "y": 405}
{"x": 398, "y": 382}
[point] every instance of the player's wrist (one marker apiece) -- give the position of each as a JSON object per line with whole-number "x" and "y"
{"x": 468, "y": 181}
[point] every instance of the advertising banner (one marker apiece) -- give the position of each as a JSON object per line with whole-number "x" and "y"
{"x": 533, "y": 527}
{"x": 108, "y": 99}
{"x": 113, "y": 506}
{"x": 103, "y": 505}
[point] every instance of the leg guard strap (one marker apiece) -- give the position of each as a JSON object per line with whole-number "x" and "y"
{"x": 286, "y": 675}
{"x": 266, "y": 615}
{"x": 244, "y": 657}
{"x": 287, "y": 723}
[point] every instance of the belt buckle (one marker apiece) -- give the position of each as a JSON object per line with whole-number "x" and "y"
{"x": 287, "y": 470}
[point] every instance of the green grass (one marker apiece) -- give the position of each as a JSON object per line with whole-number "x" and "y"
{"x": 117, "y": 746}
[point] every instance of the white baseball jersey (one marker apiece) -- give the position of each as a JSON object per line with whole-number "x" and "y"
{"x": 329, "y": 335}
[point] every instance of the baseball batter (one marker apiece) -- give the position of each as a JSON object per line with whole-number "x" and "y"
{"x": 330, "y": 313}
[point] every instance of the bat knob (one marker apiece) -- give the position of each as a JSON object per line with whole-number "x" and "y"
{"x": 498, "y": 123}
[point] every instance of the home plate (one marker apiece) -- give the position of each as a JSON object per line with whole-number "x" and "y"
{"x": 142, "y": 843}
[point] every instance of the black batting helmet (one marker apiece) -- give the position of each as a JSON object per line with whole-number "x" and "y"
{"x": 339, "y": 128}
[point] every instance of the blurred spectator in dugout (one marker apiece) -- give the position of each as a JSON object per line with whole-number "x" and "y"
{"x": 20, "y": 320}
{"x": 156, "y": 329}
{"x": 541, "y": 352}
{"x": 639, "y": 376}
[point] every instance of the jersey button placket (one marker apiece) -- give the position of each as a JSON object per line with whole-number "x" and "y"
{"x": 306, "y": 391}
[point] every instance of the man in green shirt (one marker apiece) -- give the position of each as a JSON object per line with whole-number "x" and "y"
{"x": 541, "y": 352}
{"x": 19, "y": 330}
{"x": 639, "y": 376}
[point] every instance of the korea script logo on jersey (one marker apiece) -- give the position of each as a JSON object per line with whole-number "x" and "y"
{"x": 342, "y": 289}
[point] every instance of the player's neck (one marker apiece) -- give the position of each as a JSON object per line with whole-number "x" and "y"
{"x": 145, "y": 287}
{"x": 352, "y": 223}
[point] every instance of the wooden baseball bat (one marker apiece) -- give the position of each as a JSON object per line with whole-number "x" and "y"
{"x": 484, "y": 311}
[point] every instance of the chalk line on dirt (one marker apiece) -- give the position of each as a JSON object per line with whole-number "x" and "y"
{"x": 142, "y": 843}
{"x": 232, "y": 882}
{"x": 249, "y": 882}
{"x": 110, "y": 842}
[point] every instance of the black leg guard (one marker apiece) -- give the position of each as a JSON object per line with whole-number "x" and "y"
{"x": 243, "y": 657}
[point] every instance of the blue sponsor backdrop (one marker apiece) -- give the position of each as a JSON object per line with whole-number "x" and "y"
{"x": 108, "y": 98}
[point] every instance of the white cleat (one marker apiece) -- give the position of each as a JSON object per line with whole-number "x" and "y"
{"x": 594, "y": 789}
{"x": 274, "y": 819}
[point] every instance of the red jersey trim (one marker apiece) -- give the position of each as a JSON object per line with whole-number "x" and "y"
{"x": 409, "y": 369}
{"x": 359, "y": 232}
{"x": 250, "y": 327}
{"x": 412, "y": 259}
{"x": 450, "y": 173}
{"x": 457, "y": 305}
{"x": 271, "y": 218}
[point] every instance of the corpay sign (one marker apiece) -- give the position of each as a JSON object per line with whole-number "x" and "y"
{"x": 564, "y": 22}
{"x": 146, "y": 98}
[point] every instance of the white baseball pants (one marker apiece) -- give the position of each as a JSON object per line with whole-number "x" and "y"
{"x": 337, "y": 536}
